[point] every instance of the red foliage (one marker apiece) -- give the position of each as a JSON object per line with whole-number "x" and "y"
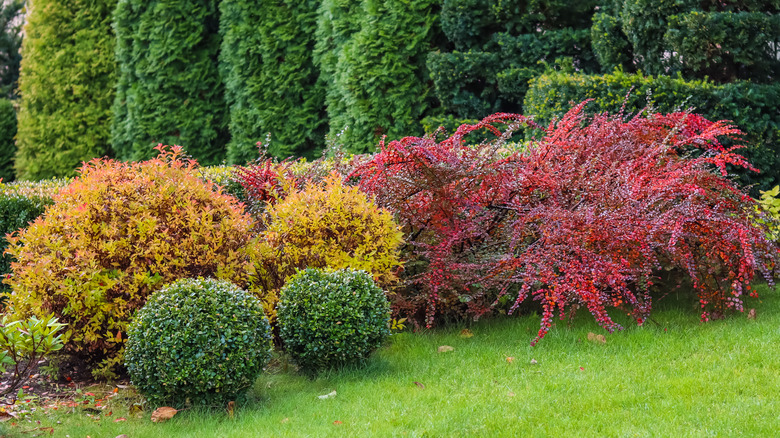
{"x": 587, "y": 216}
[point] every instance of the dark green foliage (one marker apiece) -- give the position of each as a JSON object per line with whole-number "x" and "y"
{"x": 169, "y": 88}
{"x": 271, "y": 82}
{"x": 66, "y": 83}
{"x": 329, "y": 318}
{"x": 500, "y": 45}
{"x": 752, "y": 107}
{"x": 610, "y": 44}
{"x": 469, "y": 24}
{"x": 725, "y": 46}
{"x": 381, "y": 77}
{"x": 205, "y": 341}
{"x": 722, "y": 40}
{"x": 10, "y": 42}
{"x": 338, "y": 21}
{"x": 7, "y": 142}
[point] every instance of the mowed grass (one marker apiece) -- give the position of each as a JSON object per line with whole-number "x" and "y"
{"x": 676, "y": 378}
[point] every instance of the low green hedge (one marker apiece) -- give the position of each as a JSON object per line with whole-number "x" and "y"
{"x": 752, "y": 107}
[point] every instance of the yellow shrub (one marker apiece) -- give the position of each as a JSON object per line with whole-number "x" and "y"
{"x": 324, "y": 225}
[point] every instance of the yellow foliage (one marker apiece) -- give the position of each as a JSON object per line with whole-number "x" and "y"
{"x": 328, "y": 225}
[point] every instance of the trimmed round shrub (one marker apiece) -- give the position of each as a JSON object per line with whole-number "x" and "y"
{"x": 329, "y": 318}
{"x": 196, "y": 341}
{"x": 115, "y": 235}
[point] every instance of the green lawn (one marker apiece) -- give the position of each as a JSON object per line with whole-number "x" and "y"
{"x": 679, "y": 378}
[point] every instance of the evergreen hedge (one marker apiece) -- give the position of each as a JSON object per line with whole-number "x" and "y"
{"x": 498, "y": 46}
{"x": 381, "y": 76}
{"x": 7, "y": 143}
{"x": 10, "y": 42}
{"x": 169, "y": 89}
{"x": 723, "y": 41}
{"x": 66, "y": 83}
{"x": 752, "y": 107}
{"x": 271, "y": 82}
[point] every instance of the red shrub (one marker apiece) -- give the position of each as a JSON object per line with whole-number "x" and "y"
{"x": 586, "y": 216}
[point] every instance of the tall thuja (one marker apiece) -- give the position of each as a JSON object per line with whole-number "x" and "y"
{"x": 337, "y": 22}
{"x": 381, "y": 76}
{"x": 10, "y": 42}
{"x": 271, "y": 81}
{"x": 66, "y": 84}
{"x": 169, "y": 88}
{"x": 496, "y": 46}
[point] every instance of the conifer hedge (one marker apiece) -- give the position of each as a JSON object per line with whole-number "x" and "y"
{"x": 381, "y": 76}
{"x": 169, "y": 89}
{"x": 7, "y": 145}
{"x": 67, "y": 80}
{"x": 271, "y": 81}
{"x": 724, "y": 41}
{"x": 497, "y": 47}
{"x": 10, "y": 42}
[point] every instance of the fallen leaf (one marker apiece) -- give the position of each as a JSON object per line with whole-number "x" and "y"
{"x": 231, "y": 408}
{"x": 120, "y": 419}
{"x": 534, "y": 362}
{"x": 600, "y": 339}
{"x": 285, "y": 420}
{"x": 752, "y": 314}
{"x": 115, "y": 390}
{"x": 121, "y": 436}
{"x": 445, "y": 348}
{"x": 511, "y": 394}
{"x": 136, "y": 409}
{"x": 582, "y": 369}
{"x": 466, "y": 333}
{"x": 337, "y": 422}
{"x": 329, "y": 395}
{"x": 420, "y": 385}
{"x": 510, "y": 359}
{"x": 164, "y": 413}
{"x": 5, "y": 415}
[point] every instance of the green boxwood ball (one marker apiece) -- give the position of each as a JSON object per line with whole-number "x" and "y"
{"x": 329, "y": 318}
{"x": 197, "y": 341}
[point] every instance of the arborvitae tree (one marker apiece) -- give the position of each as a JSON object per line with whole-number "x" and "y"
{"x": 66, "y": 83}
{"x": 7, "y": 133}
{"x": 169, "y": 88}
{"x": 338, "y": 21}
{"x": 381, "y": 76}
{"x": 271, "y": 81}
{"x": 10, "y": 42}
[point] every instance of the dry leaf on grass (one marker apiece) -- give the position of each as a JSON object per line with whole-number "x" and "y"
{"x": 445, "y": 348}
{"x": 466, "y": 333}
{"x": 752, "y": 314}
{"x": 510, "y": 359}
{"x": 164, "y": 413}
{"x": 420, "y": 385}
{"x": 599, "y": 339}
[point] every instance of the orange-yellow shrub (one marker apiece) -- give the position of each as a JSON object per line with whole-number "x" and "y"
{"x": 116, "y": 234}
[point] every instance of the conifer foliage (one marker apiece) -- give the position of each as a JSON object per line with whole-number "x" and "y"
{"x": 66, "y": 84}
{"x": 381, "y": 76}
{"x": 169, "y": 88}
{"x": 585, "y": 217}
{"x": 271, "y": 82}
